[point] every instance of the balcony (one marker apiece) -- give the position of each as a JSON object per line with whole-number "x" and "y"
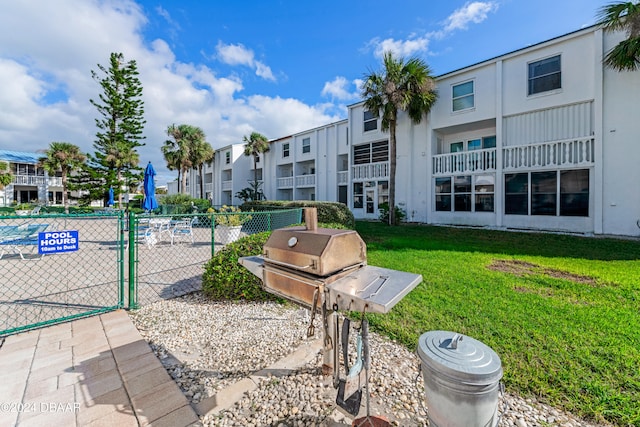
{"x": 36, "y": 180}
{"x": 464, "y": 162}
{"x": 370, "y": 171}
{"x": 343, "y": 177}
{"x": 285, "y": 182}
{"x": 305, "y": 181}
{"x": 208, "y": 187}
{"x": 571, "y": 152}
{"x": 227, "y": 185}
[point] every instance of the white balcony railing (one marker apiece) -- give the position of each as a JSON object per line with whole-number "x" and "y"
{"x": 285, "y": 182}
{"x": 227, "y": 185}
{"x": 370, "y": 170}
{"x": 305, "y": 181}
{"x": 571, "y": 152}
{"x": 465, "y": 162}
{"x": 52, "y": 181}
{"x": 343, "y": 177}
{"x": 208, "y": 188}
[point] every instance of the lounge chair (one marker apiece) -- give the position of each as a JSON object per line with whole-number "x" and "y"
{"x": 20, "y": 237}
{"x": 183, "y": 229}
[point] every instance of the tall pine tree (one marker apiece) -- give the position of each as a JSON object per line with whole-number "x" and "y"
{"x": 120, "y": 132}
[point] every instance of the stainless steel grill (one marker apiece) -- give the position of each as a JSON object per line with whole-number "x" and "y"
{"x": 327, "y": 269}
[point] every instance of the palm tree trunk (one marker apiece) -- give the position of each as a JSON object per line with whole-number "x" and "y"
{"x": 392, "y": 172}
{"x": 255, "y": 178}
{"x": 65, "y": 199}
{"x": 184, "y": 181}
{"x": 201, "y": 182}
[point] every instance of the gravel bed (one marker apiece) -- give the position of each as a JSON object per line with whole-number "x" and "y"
{"x": 207, "y": 346}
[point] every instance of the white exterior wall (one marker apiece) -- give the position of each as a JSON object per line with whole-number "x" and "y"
{"x": 620, "y": 150}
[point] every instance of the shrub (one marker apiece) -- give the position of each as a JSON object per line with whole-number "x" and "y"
{"x": 225, "y": 279}
{"x": 231, "y": 216}
{"x": 328, "y": 212}
{"x": 182, "y": 204}
{"x": 384, "y": 213}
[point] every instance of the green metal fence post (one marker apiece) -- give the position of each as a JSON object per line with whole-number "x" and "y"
{"x": 133, "y": 303}
{"x": 213, "y": 234}
{"x": 121, "y": 229}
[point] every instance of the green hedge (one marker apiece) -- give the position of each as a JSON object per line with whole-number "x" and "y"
{"x": 328, "y": 212}
{"x": 225, "y": 279}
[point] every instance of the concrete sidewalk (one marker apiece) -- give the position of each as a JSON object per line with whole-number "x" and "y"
{"x": 96, "y": 371}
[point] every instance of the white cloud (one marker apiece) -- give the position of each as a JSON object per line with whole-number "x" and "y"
{"x": 401, "y": 48}
{"x": 472, "y": 12}
{"x": 238, "y": 54}
{"x": 339, "y": 89}
{"x": 475, "y": 12}
{"x": 47, "y": 52}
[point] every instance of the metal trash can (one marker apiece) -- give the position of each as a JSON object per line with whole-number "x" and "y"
{"x": 461, "y": 380}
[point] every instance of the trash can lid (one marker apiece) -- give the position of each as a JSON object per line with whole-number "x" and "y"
{"x": 459, "y": 357}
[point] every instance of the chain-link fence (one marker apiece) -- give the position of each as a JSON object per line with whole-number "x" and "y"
{"x": 172, "y": 250}
{"x": 55, "y": 268}
{"x": 58, "y": 267}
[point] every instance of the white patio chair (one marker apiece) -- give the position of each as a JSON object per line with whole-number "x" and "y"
{"x": 183, "y": 229}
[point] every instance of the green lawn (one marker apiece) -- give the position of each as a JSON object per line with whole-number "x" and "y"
{"x": 561, "y": 311}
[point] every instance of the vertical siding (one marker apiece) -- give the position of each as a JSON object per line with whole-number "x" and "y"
{"x": 552, "y": 124}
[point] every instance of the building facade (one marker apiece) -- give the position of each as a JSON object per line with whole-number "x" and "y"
{"x": 542, "y": 138}
{"x": 31, "y": 183}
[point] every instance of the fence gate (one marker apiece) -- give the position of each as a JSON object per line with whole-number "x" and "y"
{"x": 55, "y": 268}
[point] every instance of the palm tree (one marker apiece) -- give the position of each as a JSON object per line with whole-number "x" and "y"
{"x": 255, "y": 144}
{"x": 121, "y": 158}
{"x": 201, "y": 152}
{"x": 6, "y": 177}
{"x": 624, "y": 16}
{"x": 64, "y": 157}
{"x": 405, "y": 86}
{"x": 177, "y": 151}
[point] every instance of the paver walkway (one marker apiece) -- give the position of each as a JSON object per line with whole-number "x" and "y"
{"x": 96, "y": 371}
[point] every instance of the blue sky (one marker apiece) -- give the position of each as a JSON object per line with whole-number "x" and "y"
{"x": 233, "y": 67}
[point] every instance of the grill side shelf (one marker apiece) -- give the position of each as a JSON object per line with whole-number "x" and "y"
{"x": 371, "y": 289}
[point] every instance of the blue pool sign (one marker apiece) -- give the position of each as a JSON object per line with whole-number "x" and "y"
{"x": 53, "y": 242}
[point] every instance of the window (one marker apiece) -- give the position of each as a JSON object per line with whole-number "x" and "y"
{"x": 306, "y": 145}
{"x": 383, "y": 192}
{"x": 474, "y": 144}
{"x": 538, "y": 191}
{"x": 489, "y": 142}
{"x": 227, "y": 157}
{"x": 443, "y": 194}
{"x": 462, "y": 193}
{"x": 285, "y": 149}
{"x": 516, "y": 193}
{"x": 484, "y": 192}
{"x": 456, "y": 147}
{"x": 370, "y": 121}
{"x": 574, "y": 193}
{"x": 543, "y": 193}
{"x": 469, "y": 193}
{"x": 544, "y": 75}
{"x": 463, "y": 98}
{"x": 358, "y": 193}
{"x": 371, "y": 153}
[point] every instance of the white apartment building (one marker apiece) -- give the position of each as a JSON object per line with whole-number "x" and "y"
{"x": 542, "y": 138}
{"x": 31, "y": 183}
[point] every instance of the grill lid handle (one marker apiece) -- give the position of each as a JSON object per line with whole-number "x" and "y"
{"x": 294, "y": 266}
